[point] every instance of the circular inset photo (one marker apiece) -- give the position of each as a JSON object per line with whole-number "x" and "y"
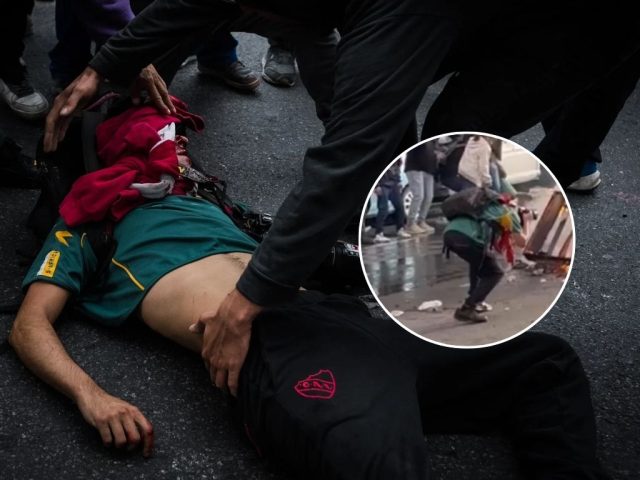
{"x": 467, "y": 239}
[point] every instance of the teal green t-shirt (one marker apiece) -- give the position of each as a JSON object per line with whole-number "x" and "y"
{"x": 152, "y": 240}
{"x": 476, "y": 230}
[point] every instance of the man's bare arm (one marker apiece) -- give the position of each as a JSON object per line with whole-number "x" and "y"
{"x": 38, "y": 346}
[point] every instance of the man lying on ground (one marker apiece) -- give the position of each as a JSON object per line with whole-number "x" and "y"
{"x": 326, "y": 390}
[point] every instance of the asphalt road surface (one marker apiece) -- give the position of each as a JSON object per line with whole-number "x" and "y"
{"x": 257, "y": 142}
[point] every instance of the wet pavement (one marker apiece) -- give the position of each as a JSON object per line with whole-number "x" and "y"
{"x": 518, "y": 301}
{"x": 407, "y": 272}
{"x": 256, "y": 142}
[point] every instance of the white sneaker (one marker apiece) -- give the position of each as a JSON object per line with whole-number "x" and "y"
{"x": 24, "y": 100}
{"x": 402, "y": 233}
{"x": 586, "y": 183}
{"x": 426, "y": 227}
{"x": 380, "y": 238}
{"x": 483, "y": 307}
{"x": 414, "y": 229}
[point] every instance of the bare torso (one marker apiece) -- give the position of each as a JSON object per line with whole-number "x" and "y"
{"x": 179, "y": 298}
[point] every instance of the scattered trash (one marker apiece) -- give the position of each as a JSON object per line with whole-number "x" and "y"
{"x": 511, "y": 278}
{"x": 465, "y": 285}
{"x": 524, "y": 264}
{"x": 396, "y": 313}
{"x": 537, "y": 272}
{"x": 542, "y": 280}
{"x": 431, "y": 306}
{"x": 606, "y": 256}
{"x": 507, "y": 308}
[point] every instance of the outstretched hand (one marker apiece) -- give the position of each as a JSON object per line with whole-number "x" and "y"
{"x": 84, "y": 88}
{"x": 119, "y": 423}
{"x": 71, "y": 99}
{"x": 151, "y": 82}
{"x": 227, "y": 333}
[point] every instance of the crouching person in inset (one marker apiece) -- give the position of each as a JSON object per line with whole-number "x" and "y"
{"x": 481, "y": 242}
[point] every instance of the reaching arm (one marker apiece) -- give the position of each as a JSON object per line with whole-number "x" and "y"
{"x": 156, "y": 31}
{"x": 38, "y": 346}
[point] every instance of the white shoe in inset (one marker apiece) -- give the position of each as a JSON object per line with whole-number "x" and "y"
{"x": 402, "y": 233}
{"x": 414, "y": 229}
{"x": 380, "y": 238}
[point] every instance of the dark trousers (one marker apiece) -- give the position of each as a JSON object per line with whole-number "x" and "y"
{"x": 576, "y": 91}
{"x": 13, "y": 22}
{"x": 394, "y": 195}
{"x": 331, "y": 393}
{"x": 575, "y": 131}
{"x": 484, "y": 273}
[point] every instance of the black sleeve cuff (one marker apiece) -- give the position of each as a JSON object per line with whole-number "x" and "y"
{"x": 261, "y": 290}
{"x": 111, "y": 69}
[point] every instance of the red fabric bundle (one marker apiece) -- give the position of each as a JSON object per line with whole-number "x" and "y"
{"x": 125, "y": 145}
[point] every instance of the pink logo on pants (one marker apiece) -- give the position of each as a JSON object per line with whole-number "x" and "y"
{"x": 320, "y": 385}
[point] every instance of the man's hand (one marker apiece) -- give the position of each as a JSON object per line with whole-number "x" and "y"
{"x": 151, "y": 81}
{"x": 119, "y": 423}
{"x": 72, "y": 98}
{"x": 226, "y": 338}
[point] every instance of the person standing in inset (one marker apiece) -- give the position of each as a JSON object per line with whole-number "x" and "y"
{"x": 421, "y": 167}
{"x": 388, "y": 190}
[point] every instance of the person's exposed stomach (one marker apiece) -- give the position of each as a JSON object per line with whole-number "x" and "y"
{"x": 182, "y": 295}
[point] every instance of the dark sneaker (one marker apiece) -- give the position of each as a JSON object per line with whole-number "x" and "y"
{"x": 278, "y": 67}
{"x": 236, "y": 75}
{"x": 16, "y": 169}
{"x": 20, "y": 96}
{"x": 468, "y": 313}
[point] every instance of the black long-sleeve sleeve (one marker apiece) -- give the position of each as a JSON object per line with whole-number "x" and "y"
{"x": 158, "y": 29}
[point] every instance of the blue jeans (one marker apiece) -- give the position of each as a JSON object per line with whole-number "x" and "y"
{"x": 393, "y": 195}
{"x": 219, "y": 51}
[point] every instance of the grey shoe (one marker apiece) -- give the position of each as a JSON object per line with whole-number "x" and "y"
{"x": 236, "y": 75}
{"x": 587, "y": 183}
{"x": 23, "y": 99}
{"x": 426, "y": 227}
{"x": 278, "y": 67}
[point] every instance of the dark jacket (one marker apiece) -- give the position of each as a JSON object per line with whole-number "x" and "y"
{"x": 422, "y": 158}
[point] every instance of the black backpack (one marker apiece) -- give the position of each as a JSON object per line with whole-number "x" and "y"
{"x": 469, "y": 202}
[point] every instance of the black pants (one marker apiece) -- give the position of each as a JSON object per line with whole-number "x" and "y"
{"x": 13, "y": 22}
{"x": 575, "y": 131}
{"x": 332, "y": 393}
{"x": 484, "y": 273}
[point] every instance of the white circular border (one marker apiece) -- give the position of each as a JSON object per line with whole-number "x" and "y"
{"x": 532, "y": 324}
